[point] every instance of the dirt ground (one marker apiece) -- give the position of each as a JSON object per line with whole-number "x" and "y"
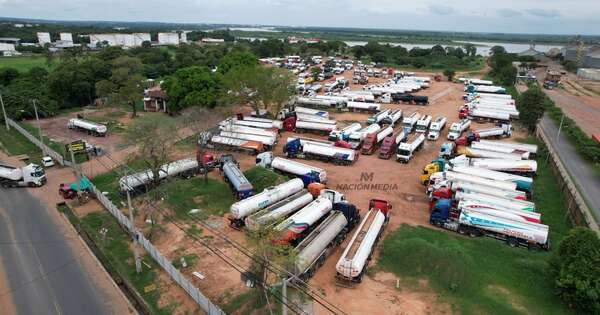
{"x": 579, "y": 100}
{"x": 396, "y": 182}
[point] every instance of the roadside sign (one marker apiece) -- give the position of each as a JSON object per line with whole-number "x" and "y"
{"x": 149, "y": 288}
{"x": 75, "y": 146}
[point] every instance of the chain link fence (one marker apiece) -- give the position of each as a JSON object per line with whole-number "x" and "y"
{"x": 202, "y": 301}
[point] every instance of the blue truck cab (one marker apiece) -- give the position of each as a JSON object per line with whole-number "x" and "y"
{"x": 440, "y": 212}
{"x": 292, "y": 148}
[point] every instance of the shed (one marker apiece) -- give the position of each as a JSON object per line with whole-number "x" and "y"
{"x": 155, "y": 100}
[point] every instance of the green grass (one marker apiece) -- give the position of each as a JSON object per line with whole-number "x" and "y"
{"x": 187, "y": 143}
{"x": 484, "y": 275}
{"x": 262, "y": 178}
{"x": 24, "y": 64}
{"x": 245, "y": 303}
{"x": 190, "y": 260}
{"x": 109, "y": 182}
{"x": 212, "y": 197}
{"x": 13, "y": 143}
{"x": 116, "y": 247}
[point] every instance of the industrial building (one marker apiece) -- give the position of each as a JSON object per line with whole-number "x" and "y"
{"x": 117, "y": 39}
{"x": 8, "y": 50}
{"x": 586, "y": 56}
{"x": 538, "y": 55}
{"x": 44, "y": 38}
{"x": 168, "y": 38}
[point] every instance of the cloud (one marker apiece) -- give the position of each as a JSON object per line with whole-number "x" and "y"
{"x": 441, "y": 9}
{"x": 543, "y": 13}
{"x": 509, "y": 13}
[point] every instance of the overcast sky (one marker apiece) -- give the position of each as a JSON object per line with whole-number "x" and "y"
{"x": 509, "y": 16}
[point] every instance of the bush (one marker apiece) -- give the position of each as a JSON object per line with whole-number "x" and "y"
{"x": 576, "y": 267}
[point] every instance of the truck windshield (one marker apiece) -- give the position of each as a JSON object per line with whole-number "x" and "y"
{"x": 403, "y": 152}
{"x": 421, "y": 127}
{"x": 38, "y": 172}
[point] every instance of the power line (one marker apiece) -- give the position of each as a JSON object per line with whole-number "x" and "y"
{"x": 303, "y": 287}
{"x": 295, "y": 308}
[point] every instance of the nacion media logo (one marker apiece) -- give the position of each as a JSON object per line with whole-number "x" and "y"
{"x": 367, "y": 182}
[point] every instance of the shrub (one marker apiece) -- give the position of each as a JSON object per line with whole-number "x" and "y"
{"x": 576, "y": 267}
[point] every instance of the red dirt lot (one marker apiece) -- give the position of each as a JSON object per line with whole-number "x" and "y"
{"x": 395, "y": 182}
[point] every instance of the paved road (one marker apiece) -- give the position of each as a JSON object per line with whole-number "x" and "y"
{"x": 586, "y": 180}
{"x": 41, "y": 271}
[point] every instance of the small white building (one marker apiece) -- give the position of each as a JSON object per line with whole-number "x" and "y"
{"x": 43, "y": 38}
{"x": 168, "y": 39}
{"x": 8, "y": 50}
{"x": 67, "y": 37}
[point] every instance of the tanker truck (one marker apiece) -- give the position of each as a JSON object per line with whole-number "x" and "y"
{"x": 514, "y": 204}
{"x": 475, "y": 223}
{"x": 356, "y": 138}
{"x": 240, "y": 185}
{"x": 457, "y": 128}
{"x": 520, "y": 167}
{"x": 531, "y": 148}
{"x": 139, "y": 181}
{"x": 252, "y": 147}
{"x": 500, "y": 149}
{"x": 321, "y": 242}
{"x": 309, "y": 150}
{"x": 523, "y": 183}
{"x": 407, "y": 149}
{"x": 373, "y": 139}
{"x": 479, "y": 153}
{"x": 390, "y": 143}
{"x": 297, "y": 226}
{"x": 31, "y": 175}
{"x": 436, "y": 128}
{"x": 377, "y": 118}
{"x": 307, "y": 173}
{"x": 87, "y": 126}
{"x": 243, "y": 208}
{"x": 354, "y": 260}
{"x": 279, "y": 210}
{"x": 344, "y": 133}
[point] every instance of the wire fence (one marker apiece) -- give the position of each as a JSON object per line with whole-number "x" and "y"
{"x": 205, "y": 304}
{"x": 46, "y": 149}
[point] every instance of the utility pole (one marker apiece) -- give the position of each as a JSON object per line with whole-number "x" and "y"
{"x": 136, "y": 254}
{"x": 4, "y": 112}
{"x": 37, "y": 118}
{"x": 284, "y": 297}
{"x": 77, "y": 174}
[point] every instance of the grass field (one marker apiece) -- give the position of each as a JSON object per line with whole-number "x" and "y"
{"x": 115, "y": 245}
{"x": 484, "y": 275}
{"x": 262, "y": 178}
{"x": 13, "y": 143}
{"x": 24, "y": 64}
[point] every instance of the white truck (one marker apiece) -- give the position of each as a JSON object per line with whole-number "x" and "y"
{"x": 407, "y": 149}
{"x": 457, "y": 128}
{"x": 409, "y": 122}
{"x": 423, "y": 124}
{"x": 243, "y": 208}
{"x": 377, "y": 118}
{"x": 531, "y": 148}
{"x": 336, "y": 155}
{"x": 521, "y": 167}
{"x": 392, "y": 117}
{"x": 250, "y": 130}
{"x": 511, "y": 111}
{"x": 505, "y": 130}
{"x": 515, "y": 204}
{"x": 482, "y": 189}
{"x": 499, "y": 211}
{"x": 308, "y": 173}
{"x": 436, "y": 180}
{"x": 356, "y": 138}
{"x": 277, "y": 124}
{"x": 500, "y": 149}
{"x": 362, "y": 107}
{"x": 477, "y": 223}
{"x": 354, "y": 260}
{"x": 252, "y": 147}
{"x": 31, "y": 175}
{"x": 87, "y": 126}
{"x": 436, "y": 128}
{"x": 486, "y": 114}
{"x": 344, "y": 133}
{"x": 268, "y": 141}
{"x": 278, "y": 210}
{"x": 315, "y": 127}
{"x": 138, "y": 181}
{"x": 485, "y": 154}
{"x": 523, "y": 183}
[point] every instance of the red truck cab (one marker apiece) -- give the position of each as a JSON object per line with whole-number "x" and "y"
{"x": 466, "y": 140}
{"x": 463, "y": 112}
{"x": 387, "y": 147}
{"x": 369, "y": 144}
{"x": 382, "y": 205}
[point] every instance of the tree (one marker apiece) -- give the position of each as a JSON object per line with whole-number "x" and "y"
{"x": 191, "y": 86}
{"x": 267, "y": 253}
{"x": 470, "y": 50}
{"x": 236, "y": 59}
{"x": 449, "y": 73}
{"x": 7, "y": 75}
{"x": 127, "y": 78}
{"x": 154, "y": 137}
{"x": 497, "y": 50}
{"x": 315, "y": 71}
{"x": 576, "y": 269}
{"x": 531, "y": 105}
{"x": 259, "y": 87}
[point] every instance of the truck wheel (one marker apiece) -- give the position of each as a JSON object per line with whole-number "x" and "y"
{"x": 534, "y": 247}
{"x": 512, "y": 242}
{"x": 473, "y": 232}
{"x": 462, "y": 230}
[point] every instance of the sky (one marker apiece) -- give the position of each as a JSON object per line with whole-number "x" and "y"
{"x": 507, "y": 16}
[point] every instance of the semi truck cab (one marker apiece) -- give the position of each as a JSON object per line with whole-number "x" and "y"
{"x": 437, "y": 165}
